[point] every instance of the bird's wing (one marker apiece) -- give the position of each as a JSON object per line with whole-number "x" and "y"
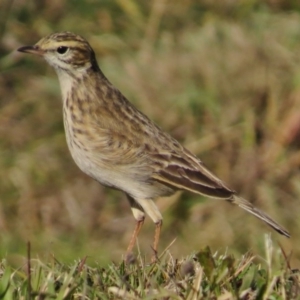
{"x": 186, "y": 172}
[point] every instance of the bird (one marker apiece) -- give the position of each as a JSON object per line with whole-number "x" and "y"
{"x": 120, "y": 147}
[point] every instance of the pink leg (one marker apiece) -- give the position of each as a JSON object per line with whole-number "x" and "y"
{"x": 134, "y": 236}
{"x": 158, "y": 226}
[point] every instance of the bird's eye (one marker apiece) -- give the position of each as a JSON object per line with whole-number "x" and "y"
{"x": 62, "y": 49}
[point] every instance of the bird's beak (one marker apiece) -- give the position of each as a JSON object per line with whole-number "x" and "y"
{"x": 32, "y": 49}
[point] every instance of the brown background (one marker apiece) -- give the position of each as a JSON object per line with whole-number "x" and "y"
{"x": 223, "y": 77}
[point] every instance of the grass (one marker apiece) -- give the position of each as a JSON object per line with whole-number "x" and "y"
{"x": 222, "y": 79}
{"x": 203, "y": 275}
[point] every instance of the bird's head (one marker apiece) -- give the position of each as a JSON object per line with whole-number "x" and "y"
{"x": 66, "y": 52}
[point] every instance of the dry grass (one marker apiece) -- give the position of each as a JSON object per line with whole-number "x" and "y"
{"x": 224, "y": 81}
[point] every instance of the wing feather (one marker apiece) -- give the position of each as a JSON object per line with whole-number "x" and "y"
{"x": 186, "y": 172}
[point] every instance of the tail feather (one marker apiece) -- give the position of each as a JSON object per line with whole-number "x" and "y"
{"x": 244, "y": 204}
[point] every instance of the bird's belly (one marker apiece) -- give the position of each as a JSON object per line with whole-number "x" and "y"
{"x": 124, "y": 178}
{"x": 134, "y": 179}
{"x": 84, "y": 159}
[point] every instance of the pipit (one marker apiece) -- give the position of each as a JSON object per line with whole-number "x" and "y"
{"x": 117, "y": 145}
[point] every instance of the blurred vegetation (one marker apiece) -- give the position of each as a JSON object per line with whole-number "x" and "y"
{"x": 223, "y": 77}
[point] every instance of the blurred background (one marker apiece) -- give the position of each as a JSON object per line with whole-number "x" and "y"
{"x": 223, "y": 77}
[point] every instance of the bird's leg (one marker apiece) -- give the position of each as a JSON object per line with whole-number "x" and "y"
{"x": 139, "y": 215}
{"x": 158, "y": 226}
{"x": 151, "y": 209}
{"x": 137, "y": 229}
{"x": 139, "y": 207}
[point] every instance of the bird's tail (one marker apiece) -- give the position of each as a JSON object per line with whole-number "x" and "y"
{"x": 244, "y": 204}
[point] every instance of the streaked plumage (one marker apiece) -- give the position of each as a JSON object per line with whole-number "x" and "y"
{"x": 113, "y": 142}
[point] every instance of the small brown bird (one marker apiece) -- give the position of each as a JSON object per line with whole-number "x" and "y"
{"x": 117, "y": 145}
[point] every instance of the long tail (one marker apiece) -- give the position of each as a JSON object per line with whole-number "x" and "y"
{"x": 244, "y": 204}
